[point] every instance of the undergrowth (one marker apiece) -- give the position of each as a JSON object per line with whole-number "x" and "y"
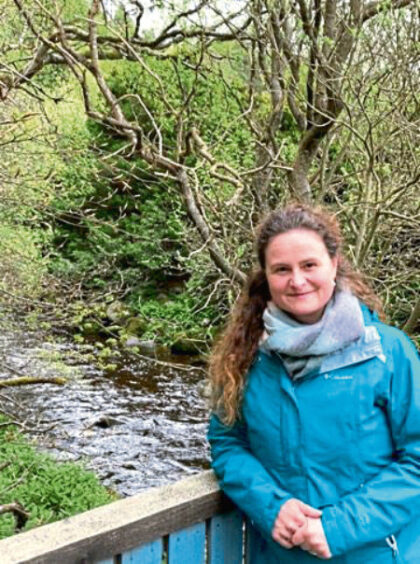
{"x": 48, "y": 490}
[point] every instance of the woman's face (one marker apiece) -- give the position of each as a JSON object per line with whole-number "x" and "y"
{"x": 300, "y": 274}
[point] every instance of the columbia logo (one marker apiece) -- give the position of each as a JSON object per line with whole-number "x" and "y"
{"x": 334, "y": 377}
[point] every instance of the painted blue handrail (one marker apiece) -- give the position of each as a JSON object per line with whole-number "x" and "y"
{"x": 188, "y": 522}
{"x": 219, "y": 541}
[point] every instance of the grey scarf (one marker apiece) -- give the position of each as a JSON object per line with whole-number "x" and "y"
{"x": 302, "y": 347}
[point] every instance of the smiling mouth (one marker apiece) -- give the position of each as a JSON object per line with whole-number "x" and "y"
{"x": 300, "y": 295}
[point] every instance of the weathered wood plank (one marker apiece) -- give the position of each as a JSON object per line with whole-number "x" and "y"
{"x": 188, "y": 545}
{"x": 226, "y": 538}
{"x": 150, "y": 553}
{"x": 119, "y": 526}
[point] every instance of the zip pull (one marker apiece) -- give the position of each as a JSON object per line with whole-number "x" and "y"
{"x": 392, "y": 543}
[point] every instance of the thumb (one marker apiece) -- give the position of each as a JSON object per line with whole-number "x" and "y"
{"x": 310, "y": 511}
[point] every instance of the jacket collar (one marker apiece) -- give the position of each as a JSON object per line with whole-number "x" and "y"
{"x": 368, "y": 346}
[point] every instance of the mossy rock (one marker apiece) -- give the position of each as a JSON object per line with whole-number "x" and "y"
{"x": 117, "y": 312}
{"x": 136, "y": 326}
{"x": 90, "y": 327}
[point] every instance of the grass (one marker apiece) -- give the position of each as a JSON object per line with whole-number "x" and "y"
{"x": 47, "y": 489}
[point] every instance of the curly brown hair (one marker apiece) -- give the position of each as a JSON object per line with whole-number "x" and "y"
{"x": 236, "y": 348}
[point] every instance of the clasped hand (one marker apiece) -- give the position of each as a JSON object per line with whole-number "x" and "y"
{"x": 299, "y": 524}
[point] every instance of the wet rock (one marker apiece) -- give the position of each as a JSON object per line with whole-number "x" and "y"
{"x": 132, "y": 342}
{"x": 147, "y": 346}
{"x": 130, "y": 465}
{"x": 204, "y": 389}
{"x": 105, "y": 422}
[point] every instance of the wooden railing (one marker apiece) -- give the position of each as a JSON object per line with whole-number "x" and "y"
{"x": 188, "y": 522}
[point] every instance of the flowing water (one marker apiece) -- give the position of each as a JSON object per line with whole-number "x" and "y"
{"x": 141, "y": 425}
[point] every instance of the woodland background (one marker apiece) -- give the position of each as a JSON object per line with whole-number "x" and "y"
{"x": 141, "y": 143}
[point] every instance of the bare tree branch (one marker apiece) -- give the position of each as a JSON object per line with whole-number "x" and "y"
{"x": 19, "y": 512}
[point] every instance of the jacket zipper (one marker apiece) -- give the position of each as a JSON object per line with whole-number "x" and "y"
{"x": 391, "y": 541}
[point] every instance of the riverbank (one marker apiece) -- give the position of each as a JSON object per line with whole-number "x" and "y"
{"x": 37, "y": 488}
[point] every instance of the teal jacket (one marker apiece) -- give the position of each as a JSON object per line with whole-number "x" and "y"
{"x": 345, "y": 440}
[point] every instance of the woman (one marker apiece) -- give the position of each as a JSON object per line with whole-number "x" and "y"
{"x": 315, "y": 433}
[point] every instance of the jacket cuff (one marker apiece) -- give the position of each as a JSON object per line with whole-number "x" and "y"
{"x": 333, "y": 530}
{"x": 265, "y": 522}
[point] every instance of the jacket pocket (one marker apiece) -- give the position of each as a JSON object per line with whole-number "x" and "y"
{"x": 384, "y": 551}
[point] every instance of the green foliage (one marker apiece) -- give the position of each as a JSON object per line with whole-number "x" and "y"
{"x": 114, "y": 223}
{"x": 21, "y": 263}
{"x": 73, "y": 9}
{"x": 88, "y": 212}
{"x": 130, "y": 238}
{"x": 212, "y": 108}
{"x": 48, "y": 490}
{"x": 173, "y": 316}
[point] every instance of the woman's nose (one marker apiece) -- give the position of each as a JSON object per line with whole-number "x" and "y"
{"x": 297, "y": 278}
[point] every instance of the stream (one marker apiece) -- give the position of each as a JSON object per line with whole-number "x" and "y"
{"x": 139, "y": 426}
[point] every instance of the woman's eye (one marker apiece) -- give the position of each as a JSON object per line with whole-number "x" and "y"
{"x": 310, "y": 265}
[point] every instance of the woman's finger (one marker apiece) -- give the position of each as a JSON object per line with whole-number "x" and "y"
{"x": 289, "y": 523}
{"x": 305, "y": 546}
{"x": 324, "y": 552}
{"x": 299, "y": 536}
{"x": 291, "y": 526}
{"x": 297, "y": 520}
{"x": 310, "y": 511}
{"x": 285, "y": 542}
{"x": 312, "y": 538}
